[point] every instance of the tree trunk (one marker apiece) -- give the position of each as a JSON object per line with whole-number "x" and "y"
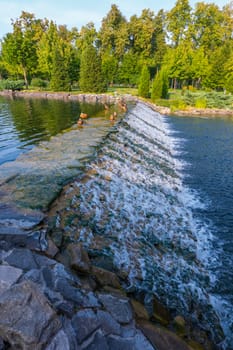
{"x": 25, "y": 77}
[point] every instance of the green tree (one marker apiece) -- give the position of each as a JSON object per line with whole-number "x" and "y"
{"x": 160, "y": 85}
{"x": 178, "y": 21}
{"x": 144, "y": 83}
{"x": 160, "y": 39}
{"x": 200, "y": 68}
{"x": 113, "y": 33}
{"x": 129, "y": 70}
{"x": 142, "y": 34}
{"x": 109, "y": 67}
{"x": 91, "y": 76}
{"x": 208, "y": 26}
{"x": 19, "y": 49}
{"x": 60, "y": 75}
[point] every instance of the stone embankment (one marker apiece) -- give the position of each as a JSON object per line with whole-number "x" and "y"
{"x": 65, "y": 96}
{"x": 45, "y": 304}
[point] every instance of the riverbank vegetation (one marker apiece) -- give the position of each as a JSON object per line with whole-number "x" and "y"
{"x": 186, "y": 49}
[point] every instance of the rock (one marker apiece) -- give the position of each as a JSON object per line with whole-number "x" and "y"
{"x": 57, "y": 236}
{"x": 179, "y": 324}
{"x": 97, "y": 342}
{"x": 117, "y": 343}
{"x": 64, "y": 308}
{"x": 85, "y": 322}
{"x": 160, "y": 313}
{"x": 119, "y": 308}
{"x": 22, "y": 258}
{"x": 108, "y": 324}
{"x": 52, "y": 249}
{"x": 8, "y": 276}
{"x": 90, "y": 300}
{"x": 60, "y": 341}
{"x": 69, "y": 292}
{"x": 79, "y": 259}
{"x": 104, "y": 277}
{"x": 141, "y": 342}
{"x": 139, "y": 310}
{"x": 1, "y": 344}
{"x": 161, "y": 338}
{"x": 27, "y": 320}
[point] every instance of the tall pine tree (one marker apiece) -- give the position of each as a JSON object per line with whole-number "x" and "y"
{"x": 91, "y": 76}
{"x": 60, "y": 74}
{"x": 144, "y": 84}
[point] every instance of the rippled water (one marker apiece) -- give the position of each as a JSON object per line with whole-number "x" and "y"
{"x": 26, "y": 122}
{"x": 206, "y": 146}
{"x": 42, "y": 147}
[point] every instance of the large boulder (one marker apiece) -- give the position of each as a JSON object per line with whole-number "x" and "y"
{"x": 8, "y": 276}
{"x": 79, "y": 259}
{"x": 27, "y": 320}
{"x": 161, "y": 338}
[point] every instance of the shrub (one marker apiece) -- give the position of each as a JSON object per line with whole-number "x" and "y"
{"x": 178, "y": 105}
{"x": 12, "y": 84}
{"x": 200, "y": 102}
{"x": 144, "y": 84}
{"x": 39, "y": 83}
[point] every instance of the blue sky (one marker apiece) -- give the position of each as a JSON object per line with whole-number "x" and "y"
{"x": 75, "y": 13}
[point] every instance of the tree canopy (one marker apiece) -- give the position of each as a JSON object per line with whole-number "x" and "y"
{"x": 194, "y": 46}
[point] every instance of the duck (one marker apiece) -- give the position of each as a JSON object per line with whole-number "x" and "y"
{"x": 80, "y": 122}
{"x": 83, "y": 115}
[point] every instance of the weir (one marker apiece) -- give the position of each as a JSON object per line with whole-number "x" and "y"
{"x": 134, "y": 216}
{"x": 126, "y": 204}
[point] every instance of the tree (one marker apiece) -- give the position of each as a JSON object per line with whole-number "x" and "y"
{"x": 178, "y": 21}
{"x": 160, "y": 39}
{"x": 113, "y": 33}
{"x": 91, "y": 77}
{"x": 60, "y": 76}
{"x": 144, "y": 83}
{"x": 142, "y": 34}
{"x": 129, "y": 69}
{"x": 208, "y": 26}
{"x": 19, "y": 49}
{"x": 109, "y": 67}
{"x": 160, "y": 85}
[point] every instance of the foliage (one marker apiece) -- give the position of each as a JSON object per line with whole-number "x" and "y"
{"x": 213, "y": 99}
{"x": 39, "y": 83}
{"x": 60, "y": 76}
{"x": 91, "y": 77}
{"x": 194, "y": 46}
{"x": 12, "y": 84}
{"x": 144, "y": 83}
{"x": 160, "y": 85}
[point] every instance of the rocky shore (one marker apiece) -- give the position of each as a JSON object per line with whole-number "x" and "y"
{"x": 47, "y": 304}
{"x": 65, "y": 96}
{"x": 55, "y": 295}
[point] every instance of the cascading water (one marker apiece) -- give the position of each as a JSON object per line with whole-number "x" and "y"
{"x": 132, "y": 208}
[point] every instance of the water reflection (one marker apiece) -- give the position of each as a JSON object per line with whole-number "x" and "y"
{"x": 26, "y": 122}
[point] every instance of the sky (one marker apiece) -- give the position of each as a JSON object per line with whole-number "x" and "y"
{"x": 76, "y": 13}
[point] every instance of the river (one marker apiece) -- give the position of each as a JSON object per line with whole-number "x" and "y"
{"x": 155, "y": 201}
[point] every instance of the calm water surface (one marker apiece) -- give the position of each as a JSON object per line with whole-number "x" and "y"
{"x": 26, "y": 122}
